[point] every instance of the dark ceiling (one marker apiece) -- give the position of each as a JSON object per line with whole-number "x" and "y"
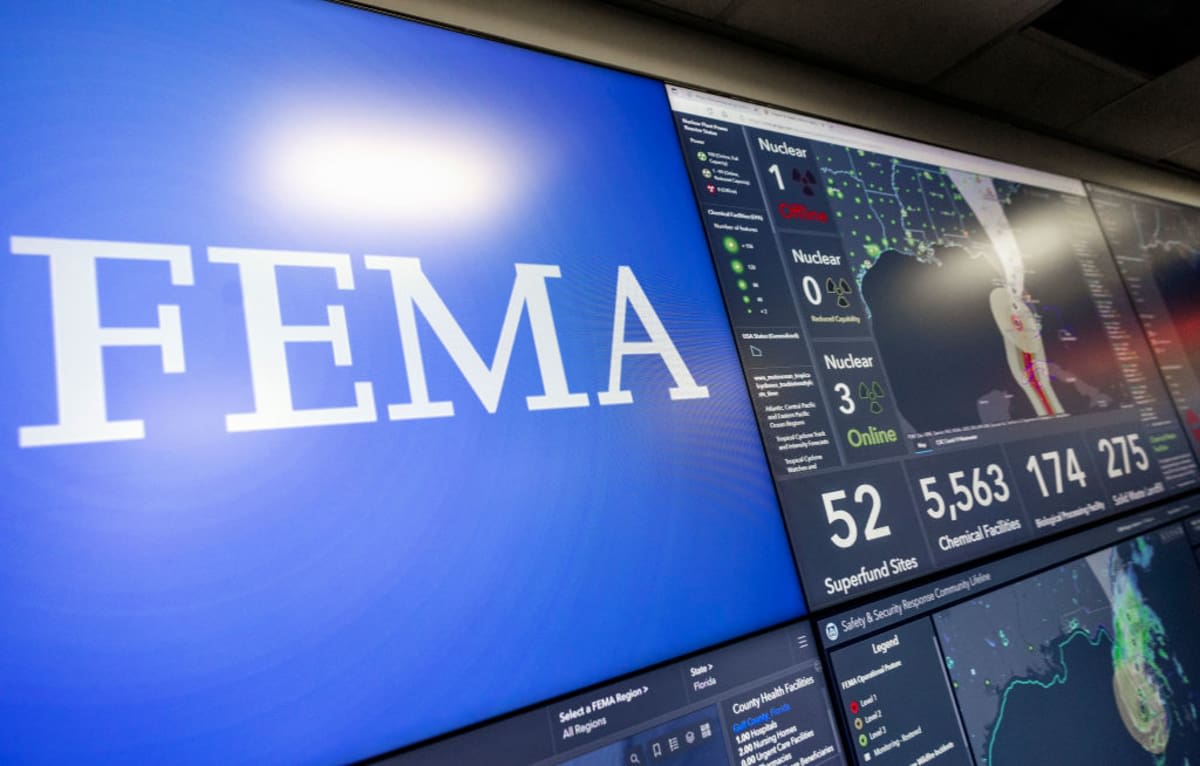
{"x": 1119, "y": 75}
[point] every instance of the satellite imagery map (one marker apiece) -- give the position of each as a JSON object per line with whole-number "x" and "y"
{"x": 1090, "y": 662}
{"x": 992, "y": 277}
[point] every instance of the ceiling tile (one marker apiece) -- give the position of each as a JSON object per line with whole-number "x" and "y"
{"x": 1189, "y": 157}
{"x": 909, "y": 40}
{"x": 1025, "y": 78}
{"x": 704, "y": 8}
{"x": 1155, "y": 120}
{"x": 1150, "y": 36}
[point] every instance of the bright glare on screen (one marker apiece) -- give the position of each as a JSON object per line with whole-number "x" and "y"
{"x": 370, "y": 170}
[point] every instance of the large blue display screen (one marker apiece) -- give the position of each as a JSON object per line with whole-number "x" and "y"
{"x": 362, "y": 380}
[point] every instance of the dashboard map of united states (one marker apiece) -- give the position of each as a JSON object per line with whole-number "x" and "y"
{"x": 969, "y": 281}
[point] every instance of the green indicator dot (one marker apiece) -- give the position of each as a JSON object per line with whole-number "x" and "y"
{"x": 743, "y": 284}
{"x": 745, "y": 299}
{"x": 862, "y": 740}
{"x": 731, "y": 245}
{"x": 737, "y": 266}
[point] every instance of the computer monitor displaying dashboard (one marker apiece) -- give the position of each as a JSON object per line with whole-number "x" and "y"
{"x": 386, "y": 392}
{"x": 1156, "y": 244}
{"x": 943, "y": 360}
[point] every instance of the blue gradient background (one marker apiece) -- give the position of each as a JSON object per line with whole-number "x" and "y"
{"x": 323, "y": 594}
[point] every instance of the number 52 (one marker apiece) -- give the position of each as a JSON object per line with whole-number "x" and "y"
{"x": 863, "y": 493}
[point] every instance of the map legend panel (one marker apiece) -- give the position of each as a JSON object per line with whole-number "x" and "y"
{"x": 896, "y": 710}
{"x": 752, "y": 278}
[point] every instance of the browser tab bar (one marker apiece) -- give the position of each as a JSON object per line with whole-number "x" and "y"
{"x": 701, "y": 104}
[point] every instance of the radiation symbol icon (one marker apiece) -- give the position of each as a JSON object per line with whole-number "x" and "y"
{"x": 806, "y": 180}
{"x": 873, "y": 394}
{"x": 841, "y": 288}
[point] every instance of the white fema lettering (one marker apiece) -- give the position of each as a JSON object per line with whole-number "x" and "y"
{"x": 79, "y": 339}
{"x": 267, "y": 338}
{"x": 412, "y": 290}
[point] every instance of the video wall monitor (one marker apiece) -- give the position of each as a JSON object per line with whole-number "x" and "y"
{"x": 941, "y": 355}
{"x": 758, "y": 701}
{"x": 1091, "y": 659}
{"x": 362, "y": 380}
{"x": 1157, "y": 247}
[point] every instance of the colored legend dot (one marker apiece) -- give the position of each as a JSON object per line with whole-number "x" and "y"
{"x": 862, "y": 740}
{"x": 731, "y": 245}
{"x": 854, "y": 707}
{"x": 743, "y": 284}
{"x": 702, "y": 156}
{"x": 745, "y": 299}
{"x": 858, "y": 723}
{"x": 737, "y": 266}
